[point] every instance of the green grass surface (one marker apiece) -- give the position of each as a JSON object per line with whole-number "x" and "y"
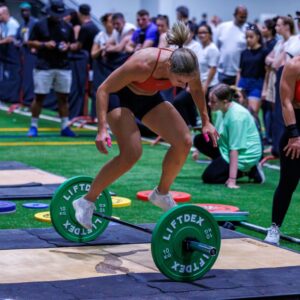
{"x": 72, "y": 160}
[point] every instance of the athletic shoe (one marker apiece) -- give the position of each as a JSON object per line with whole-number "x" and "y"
{"x": 165, "y": 202}
{"x": 32, "y": 132}
{"x": 257, "y": 174}
{"x": 273, "y": 235}
{"x": 67, "y": 132}
{"x": 84, "y": 210}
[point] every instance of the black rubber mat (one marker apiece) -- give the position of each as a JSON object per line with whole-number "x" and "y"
{"x": 239, "y": 283}
{"x": 113, "y": 235}
{"x": 30, "y": 190}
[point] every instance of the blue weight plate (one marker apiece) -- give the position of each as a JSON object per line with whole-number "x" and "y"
{"x": 35, "y": 205}
{"x": 7, "y": 207}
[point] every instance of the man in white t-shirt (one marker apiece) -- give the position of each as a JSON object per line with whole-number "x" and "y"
{"x": 8, "y": 26}
{"x": 231, "y": 41}
{"x": 124, "y": 31}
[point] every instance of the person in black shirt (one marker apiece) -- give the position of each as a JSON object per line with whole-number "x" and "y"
{"x": 52, "y": 37}
{"x": 252, "y": 69}
{"x": 87, "y": 32}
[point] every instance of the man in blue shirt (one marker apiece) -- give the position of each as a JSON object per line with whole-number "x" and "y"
{"x": 146, "y": 35}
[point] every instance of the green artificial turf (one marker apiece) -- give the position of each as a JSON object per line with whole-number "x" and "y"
{"x": 72, "y": 160}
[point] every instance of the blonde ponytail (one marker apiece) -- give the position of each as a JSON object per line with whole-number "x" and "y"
{"x": 178, "y": 35}
{"x": 183, "y": 60}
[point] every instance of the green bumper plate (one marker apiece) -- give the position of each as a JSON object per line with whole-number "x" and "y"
{"x": 63, "y": 214}
{"x": 172, "y": 230}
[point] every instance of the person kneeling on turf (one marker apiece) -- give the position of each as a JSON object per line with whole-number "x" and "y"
{"x": 239, "y": 147}
{"x": 132, "y": 91}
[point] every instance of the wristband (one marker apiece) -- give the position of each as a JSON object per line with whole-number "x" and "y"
{"x": 292, "y": 131}
{"x": 234, "y": 178}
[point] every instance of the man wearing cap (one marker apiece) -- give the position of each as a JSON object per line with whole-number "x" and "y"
{"x": 27, "y": 23}
{"x": 8, "y": 26}
{"x": 52, "y": 38}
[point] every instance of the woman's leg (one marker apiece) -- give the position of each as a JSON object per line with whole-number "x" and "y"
{"x": 289, "y": 178}
{"x": 165, "y": 120}
{"x": 122, "y": 124}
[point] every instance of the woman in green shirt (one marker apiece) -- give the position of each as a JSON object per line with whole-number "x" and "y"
{"x": 239, "y": 146}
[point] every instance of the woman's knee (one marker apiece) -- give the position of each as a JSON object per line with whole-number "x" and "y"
{"x": 184, "y": 143}
{"x": 131, "y": 155}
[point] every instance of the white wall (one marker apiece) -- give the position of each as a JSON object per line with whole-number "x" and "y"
{"x": 222, "y": 8}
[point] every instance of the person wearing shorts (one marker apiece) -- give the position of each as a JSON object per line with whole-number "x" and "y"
{"x": 252, "y": 69}
{"x": 52, "y": 38}
{"x": 132, "y": 91}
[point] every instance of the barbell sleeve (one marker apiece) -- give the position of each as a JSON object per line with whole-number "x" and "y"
{"x": 197, "y": 246}
{"x": 189, "y": 244}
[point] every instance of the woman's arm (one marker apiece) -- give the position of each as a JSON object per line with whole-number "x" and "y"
{"x": 119, "y": 46}
{"x": 238, "y": 77}
{"x": 287, "y": 93}
{"x": 233, "y": 170}
{"x": 196, "y": 91}
{"x": 266, "y": 84}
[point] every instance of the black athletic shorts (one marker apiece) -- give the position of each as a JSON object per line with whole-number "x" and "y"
{"x": 140, "y": 105}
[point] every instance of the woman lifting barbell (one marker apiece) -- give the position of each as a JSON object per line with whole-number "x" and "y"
{"x": 132, "y": 91}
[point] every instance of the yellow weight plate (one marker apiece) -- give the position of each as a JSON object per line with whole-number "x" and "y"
{"x": 43, "y": 217}
{"x": 120, "y": 201}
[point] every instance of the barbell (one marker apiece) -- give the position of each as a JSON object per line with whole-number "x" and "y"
{"x": 185, "y": 242}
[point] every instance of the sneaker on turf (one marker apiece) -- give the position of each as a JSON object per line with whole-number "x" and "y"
{"x": 84, "y": 210}
{"x": 257, "y": 174}
{"x": 67, "y": 132}
{"x": 273, "y": 235}
{"x": 32, "y": 132}
{"x": 165, "y": 202}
